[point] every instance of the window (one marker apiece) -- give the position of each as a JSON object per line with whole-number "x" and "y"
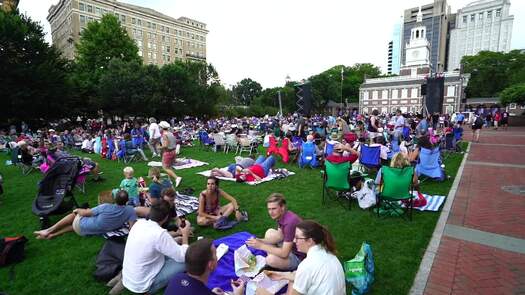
{"x": 413, "y": 93}
{"x": 97, "y": 10}
{"x": 374, "y": 94}
{"x": 89, "y": 8}
{"x": 167, "y": 30}
{"x": 82, "y": 20}
{"x": 384, "y": 94}
{"x": 472, "y": 17}
{"x": 404, "y": 93}
{"x": 149, "y": 24}
{"x": 133, "y": 20}
{"x": 512, "y": 106}
{"x": 162, "y": 28}
{"x": 154, "y": 55}
{"x": 90, "y": 19}
{"x": 139, "y": 43}
{"x": 123, "y": 18}
{"x": 464, "y": 19}
{"x": 489, "y": 14}
{"x": 365, "y": 95}
{"x": 498, "y": 12}
{"x": 81, "y": 6}
{"x": 154, "y": 26}
{"x": 451, "y": 91}
{"x": 139, "y": 22}
{"x": 149, "y": 45}
{"x": 480, "y": 16}
{"x": 394, "y": 93}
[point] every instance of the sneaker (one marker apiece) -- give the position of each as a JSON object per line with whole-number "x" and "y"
{"x": 244, "y": 216}
{"x": 177, "y": 181}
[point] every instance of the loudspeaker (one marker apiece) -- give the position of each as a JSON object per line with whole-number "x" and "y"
{"x": 434, "y": 97}
{"x": 424, "y": 89}
{"x": 303, "y": 92}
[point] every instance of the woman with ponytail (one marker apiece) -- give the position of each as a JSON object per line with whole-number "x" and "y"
{"x": 320, "y": 272}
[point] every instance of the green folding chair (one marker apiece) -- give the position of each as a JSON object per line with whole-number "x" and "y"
{"x": 335, "y": 178}
{"x": 396, "y": 186}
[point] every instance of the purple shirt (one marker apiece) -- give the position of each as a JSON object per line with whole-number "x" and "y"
{"x": 182, "y": 283}
{"x": 287, "y": 224}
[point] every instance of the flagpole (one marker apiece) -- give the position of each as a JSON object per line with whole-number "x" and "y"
{"x": 342, "y": 71}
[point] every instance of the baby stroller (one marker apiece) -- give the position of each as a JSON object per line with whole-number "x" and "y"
{"x": 55, "y": 190}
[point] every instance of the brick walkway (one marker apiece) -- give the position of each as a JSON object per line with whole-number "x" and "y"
{"x": 482, "y": 249}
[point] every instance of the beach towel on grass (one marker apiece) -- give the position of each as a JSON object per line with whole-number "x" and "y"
{"x": 433, "y": 203}
{"x": 180, "y": 164}
{"x": 225, "y": 268}
{"x": 269, "y": 177}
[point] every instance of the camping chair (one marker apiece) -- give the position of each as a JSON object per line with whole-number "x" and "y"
{"x": 307, "y": 155}
{"x": 247, "y": 145}
{"x": 335, "y": 178}
{"x": 16, "y": 160}
{"x": 204, "y": 139}
{"x": 370, "y": 157}
{"x": 124, "y": 153}
{"x": 429, "y": 164}
{"x": 231, "y": 143}
{"x": 396, "y": 186}
{"x": 218, "y": 142}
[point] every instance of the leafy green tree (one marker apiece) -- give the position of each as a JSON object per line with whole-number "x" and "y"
{"x": 513, "y": 94}
{"x": 491, "y": 72}
{"x": 32, "y": 73}
{"x": 100, "y": 43}
{"x": 246, "y": 90}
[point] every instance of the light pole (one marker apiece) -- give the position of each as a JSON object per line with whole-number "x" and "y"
{"x": 342, "y": 72}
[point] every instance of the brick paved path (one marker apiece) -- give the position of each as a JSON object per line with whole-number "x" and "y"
{"x": 482, "y": 250}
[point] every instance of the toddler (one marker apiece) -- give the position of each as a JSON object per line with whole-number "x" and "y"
{"x": 130, "y": 184}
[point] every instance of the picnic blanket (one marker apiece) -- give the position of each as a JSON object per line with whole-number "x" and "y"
{"x": 269, "y": 177}
{"x": 186, "y": 204}
{"x": 433, "y": 203}
{"x": 225, "y": 268}
{"x": 180, "y": 164}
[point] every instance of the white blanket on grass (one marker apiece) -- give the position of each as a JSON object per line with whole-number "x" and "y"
{"x": 269, "y": 177}
{"x": 181, "y": 163}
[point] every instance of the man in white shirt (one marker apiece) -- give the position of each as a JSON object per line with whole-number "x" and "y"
{"x": 154, "y": 136}
{"x": 399, "y": 124}
{"x": 152, "y": 256}
{"x": 87, "y": 145}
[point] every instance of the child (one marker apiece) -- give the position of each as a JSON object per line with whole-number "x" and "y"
{"x": 130, "y": 184}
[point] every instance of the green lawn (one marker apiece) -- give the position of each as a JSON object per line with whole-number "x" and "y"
{"x": 65, "y": 265}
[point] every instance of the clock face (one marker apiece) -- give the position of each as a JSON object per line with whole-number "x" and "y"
{"x": 415, "y": 53}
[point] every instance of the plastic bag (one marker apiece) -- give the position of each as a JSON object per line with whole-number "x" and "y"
{"x": 359, "y": 271}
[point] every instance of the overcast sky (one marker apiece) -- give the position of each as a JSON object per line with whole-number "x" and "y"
{"x": 266, "y": 40}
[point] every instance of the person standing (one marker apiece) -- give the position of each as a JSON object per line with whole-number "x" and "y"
{"x": 476, "y": 128}
{"x": 497, "y": 119}
{"x": 504, "y": 120}
{"x": 169, "y": 151}
{"x": 154, "y": 137}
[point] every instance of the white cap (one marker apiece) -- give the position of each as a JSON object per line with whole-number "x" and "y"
{"x": 164, "y": 125}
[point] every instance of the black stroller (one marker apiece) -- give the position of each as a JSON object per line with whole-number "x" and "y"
{"x": 55, "y": 191}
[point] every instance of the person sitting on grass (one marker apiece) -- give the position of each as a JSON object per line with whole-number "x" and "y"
{"x": 201, "y": 261}
{"x": 278, "y": 243}
{"x": 320, "y": 272}
{"x": 152, "y": 256}
{"x": 131, "y": 185}
{"x": 95, "y": 221}
{"x": 156, "y": 186}
{"x": 210, "y": 211}
{"x": 257, "y": 171}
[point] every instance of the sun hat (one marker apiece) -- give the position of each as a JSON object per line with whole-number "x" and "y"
{"x": 164, "y": 125}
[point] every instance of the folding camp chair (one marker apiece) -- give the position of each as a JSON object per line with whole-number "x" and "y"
{"x": 370, "y": 157}
{"x": 204, "y": 139}
{"x": 231, "y": 143}
{"x": 396, "y": 186}
{"x": 307, "y": 155}
{"x": 16, "y": 160}
{"x": 218, "y": 142}
{"x": 429, "y": 164}
{"x": 247, "y": 145}
{"x": 335, "y": 178}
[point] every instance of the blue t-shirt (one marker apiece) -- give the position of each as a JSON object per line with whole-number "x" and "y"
{"x": 182, "y": 283}
{"x": 106, "y": 217}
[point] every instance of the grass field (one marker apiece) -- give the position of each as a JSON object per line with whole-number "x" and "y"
{"x": 65, "y": 265}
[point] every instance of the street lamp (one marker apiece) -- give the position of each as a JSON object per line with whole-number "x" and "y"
{"x": 342, "y": 72}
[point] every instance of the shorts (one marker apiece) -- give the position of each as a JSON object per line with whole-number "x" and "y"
{"x": 293, "y": 261}
{"x": 168, "y": 158}
{"x": 76, "y": 224}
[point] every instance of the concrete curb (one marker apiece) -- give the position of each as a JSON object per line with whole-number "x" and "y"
{"x": 420, "y": 281}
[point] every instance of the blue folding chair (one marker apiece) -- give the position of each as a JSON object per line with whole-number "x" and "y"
{"x": 370, "y": 157}
{"x": 308, "y": 156}
{"x": 429, "y": 164}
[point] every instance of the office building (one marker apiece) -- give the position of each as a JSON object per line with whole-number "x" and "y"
{"x": 389, "y": 60}
{"x": 8, "y": 5}
{"x": 394, "y": 49}
{"x": 435, "y": 20}
{"x": 160, "y": 38}
{"x": 481, "y": 25}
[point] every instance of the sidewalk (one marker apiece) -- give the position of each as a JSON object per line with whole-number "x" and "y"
{"x": 480, "y": 248}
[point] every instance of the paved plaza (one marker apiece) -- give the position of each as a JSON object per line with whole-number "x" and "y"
{"x": 482, "y": 243}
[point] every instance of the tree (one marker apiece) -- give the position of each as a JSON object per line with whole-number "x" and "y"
{"x": 246, "y": 90}
{"x": 33, "y": 73}
{"x": 491, "y": 72}
{"x": 513, "y": 94}
{"x": 99, "y": 43}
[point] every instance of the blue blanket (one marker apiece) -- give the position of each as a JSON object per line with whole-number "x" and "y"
{"x": 225, "y": 270}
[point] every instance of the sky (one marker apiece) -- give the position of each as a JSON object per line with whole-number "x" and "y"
{"x": 268, "y": 40}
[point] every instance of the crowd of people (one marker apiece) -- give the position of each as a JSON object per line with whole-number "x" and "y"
{"x": 157, "y": 252}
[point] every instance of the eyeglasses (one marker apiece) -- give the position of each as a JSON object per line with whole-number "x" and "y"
{"x": 299, "y": 238}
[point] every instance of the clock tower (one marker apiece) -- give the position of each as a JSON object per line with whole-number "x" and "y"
{"x": 418, "y": 49}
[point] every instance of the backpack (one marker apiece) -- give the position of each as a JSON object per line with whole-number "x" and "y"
{"x": 478, "y": 122}
{"x": 12, "y": 250}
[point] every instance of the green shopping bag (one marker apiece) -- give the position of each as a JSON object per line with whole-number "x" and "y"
{"x": 359, "y": 271}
